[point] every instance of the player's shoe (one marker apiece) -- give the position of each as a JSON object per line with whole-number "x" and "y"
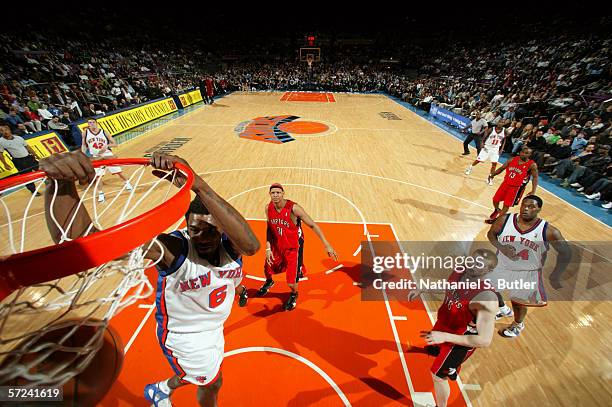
{"x": 291, "y": 301}
{"x": 504, "y": 312}
{"x": 157, "y": 396}
{"x": 490, "y": 180}
{"x": 468, "y": 170}
{"x": 243, "y": 298}
{"x": 607, "y": 205}
{"x": 128, "y": 186}
{"x": 265, "y": 288}
{"x": 512, "y": 331}
{"x": 101, "y": 197}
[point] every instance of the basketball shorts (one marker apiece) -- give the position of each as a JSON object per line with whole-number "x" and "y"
{"x": 449, "y": 359}
{"x": 488, "y": 154}
{"x": 524, "y": 287}
{"x": 101, "y": 170}
{"x": 509, "y": 195}
{"x": 288, "y": 261}
{"x": 195, "y": 357}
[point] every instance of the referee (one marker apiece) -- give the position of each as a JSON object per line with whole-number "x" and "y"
{"x": 478, "y": 128}
{"x": 23, "y": 156}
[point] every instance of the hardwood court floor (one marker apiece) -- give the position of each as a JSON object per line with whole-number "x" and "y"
{"x": 365, "y": 169}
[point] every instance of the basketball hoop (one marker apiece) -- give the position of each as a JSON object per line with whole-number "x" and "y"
{"x": 81, "y": 282}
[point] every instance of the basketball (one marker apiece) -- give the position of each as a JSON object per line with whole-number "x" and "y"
{"x": 90, "y": 386}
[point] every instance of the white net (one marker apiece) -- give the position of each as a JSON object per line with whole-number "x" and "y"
{"x": 50, "y": 332}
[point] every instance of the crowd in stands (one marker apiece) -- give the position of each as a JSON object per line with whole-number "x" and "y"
{"x": 551, "y": 95}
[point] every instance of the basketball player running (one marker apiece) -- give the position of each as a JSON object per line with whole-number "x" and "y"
{"x": 518, "y": 170}
{"x": 97, "y": 144}
{"x": 522, "y": 241}
{"x": 466, "y": 321}
{"x": 493, "y": 143}
{"x": 285, "y": 243}
{"x": 199, "y": 272}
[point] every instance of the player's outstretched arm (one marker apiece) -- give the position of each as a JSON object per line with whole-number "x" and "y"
{"x": 564, "y": 255}
{"x": 301, "y": 213}
{"x": 229, "y": 219}
{"x": 66, "y": 169}
{"x": 501, "y": 169}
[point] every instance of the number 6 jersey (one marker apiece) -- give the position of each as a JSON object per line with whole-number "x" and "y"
{"x": 530, "y": 245}
{"x": 194, "y": 295}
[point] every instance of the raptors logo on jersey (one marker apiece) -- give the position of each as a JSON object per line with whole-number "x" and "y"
{"x": 285, "y": 234}
{"x": 517, "y": 172}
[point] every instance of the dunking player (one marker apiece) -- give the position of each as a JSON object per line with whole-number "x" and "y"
{"x": 97, "y": 144}
{"x": 285, "y": 242}
{"x": 518, "y": 170}
{"x": 199, "y": 272}
{"x": 466, "y": 320}
{"x": 494, "y": 141}
{"x": 522, "y": 242}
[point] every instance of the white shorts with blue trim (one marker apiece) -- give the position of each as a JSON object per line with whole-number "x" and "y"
{"x": 196, "y": 357}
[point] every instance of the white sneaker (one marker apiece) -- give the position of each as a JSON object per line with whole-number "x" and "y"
{"x": 575, "y": 185}
{"x": 101, "y": 197}
{"x": 156, "y": 396}
{"x": 489, "y": 181}
{"x": 128, "y": 186}
{"x": 513, "y": 330}
{"x": 468, "y": 171}
{"x": 596, "y": 195}
{"x": 580, "y": 189}
{"x": 607, "y": 205}
{"x": 504, "y": 312}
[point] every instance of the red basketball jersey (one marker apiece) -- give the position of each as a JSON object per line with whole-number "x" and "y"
{"x": 454, "y": 314}
{"x": 285, "y": 234}
{"x": 517, "y": 172}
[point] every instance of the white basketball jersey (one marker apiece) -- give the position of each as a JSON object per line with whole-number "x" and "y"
{"x": 495, "y": 140}
{"x": 95, "y": 142}
{"x": 530, "y": 245}
{"x": 194, "y": 295}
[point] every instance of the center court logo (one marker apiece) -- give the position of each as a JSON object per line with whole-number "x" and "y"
{"x": 278, "y": 129}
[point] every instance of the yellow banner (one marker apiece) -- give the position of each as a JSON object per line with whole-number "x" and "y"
{"x": 43, "y": 145}
{"x": 128, "y": 119}
{"x": 190, "y": 98}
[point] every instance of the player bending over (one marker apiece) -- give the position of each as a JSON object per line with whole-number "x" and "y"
{"x": 466, "y": 321}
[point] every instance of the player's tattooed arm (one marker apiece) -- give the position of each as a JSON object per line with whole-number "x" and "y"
{"x": 564, "y": 254}
{"x": 172, "y": 247}
{"x": 228, "y": 218}
{"x": 301, "y": 213}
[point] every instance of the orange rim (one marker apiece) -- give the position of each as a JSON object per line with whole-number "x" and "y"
{"x": 57, "y": 261}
